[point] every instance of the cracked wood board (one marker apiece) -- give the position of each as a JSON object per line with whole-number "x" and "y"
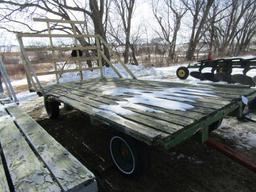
{"x": 67, "y": 170}
{"x": 27, "y": 172}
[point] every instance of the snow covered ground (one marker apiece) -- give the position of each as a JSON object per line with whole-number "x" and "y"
{"x": 242, "y": 134}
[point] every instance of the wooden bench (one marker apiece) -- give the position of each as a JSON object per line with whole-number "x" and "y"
{"x": 32, "y": 160}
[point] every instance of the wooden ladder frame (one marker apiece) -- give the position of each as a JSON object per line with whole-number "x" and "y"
{"x": 7, "y": 82}
{"x": 99, "y": 44}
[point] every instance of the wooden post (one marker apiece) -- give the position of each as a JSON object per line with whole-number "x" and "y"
{"x": 7, "y": 81}
{"x": 53, "y": 52}
{"x": 99, "y": 55}
{"x": 77, "y": 53}
{"x": 29, "y": 70}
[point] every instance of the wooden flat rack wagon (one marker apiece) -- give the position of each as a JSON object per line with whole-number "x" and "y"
{"x": 154, "y": 113}
{"x": 144, "y": 113}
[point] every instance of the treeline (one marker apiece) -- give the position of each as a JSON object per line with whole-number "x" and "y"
{"x": 222, "y": 27}
{"x": 226, "y": 27}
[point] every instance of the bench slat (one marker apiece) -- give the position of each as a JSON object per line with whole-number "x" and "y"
{"x": 68, "y": 171}
{"x": 3, "y": 181}
{"x": 26, "y": 170}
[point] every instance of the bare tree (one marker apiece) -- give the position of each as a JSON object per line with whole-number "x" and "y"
{"x": 216, "y": 14}
{"x": 237, "y": 26}
{"x": 13, "y": 10}
{"x": 122, "y": 32}
{"x": 247, "y": 30}
{"x": 169, "y": 22}
{"x": 199, "y": 9}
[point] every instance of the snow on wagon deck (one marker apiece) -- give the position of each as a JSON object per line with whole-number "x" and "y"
{"x": 158, "y": 113}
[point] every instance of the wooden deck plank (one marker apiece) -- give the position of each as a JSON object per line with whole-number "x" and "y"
{"x": 102, "y": 99}
{"x": 138, "y": 131}
{"x": 176, "y": 119}
{"x": 184, "y": 91}
{"x": 173, "y": 84}
{"x": 133, "y": 116}
{"x": 200, "y": 108}
{"x": 68, "y": 171}
{"x": 206, "y": 103}
{"x": 189, "y": 114}
{"x": 26, "y": 170}
{"x": 162, "y": 116}
{"x": 97, "y": 102}
{"x": 99, "y": 107}
{"x": 180, "y": 95}
{"x": 140, "y": 118}
{"x": 229, "y": 90}
{"x": 222, "y": 89}
{"x": 4, "y": 187}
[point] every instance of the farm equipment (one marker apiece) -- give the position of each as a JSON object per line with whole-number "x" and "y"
{"x": 221, "y": 70}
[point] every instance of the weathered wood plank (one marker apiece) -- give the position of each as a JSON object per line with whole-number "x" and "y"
{"x": 97, "y": 108}
{"x": 219, "y": 89}
{"x": 191, "y": 115}
{"x": 174, "y": 119}
{"x": 180, "y": 113}
{"x": 138, "y": 118}
{"x": 163, "y": 116}
{"x": 208, "y": 102}
{"x": 26, "y": 170}
{"x": 138, "y": 131}
{"x": 68, "y": 171}
{"x": 4, "y": 187}
{"x": 184, "y": 94}
{"x": 200, "y": 108}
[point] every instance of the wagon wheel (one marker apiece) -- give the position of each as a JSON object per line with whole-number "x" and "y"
{"x": 182, "y": 72}
{"x": 52, "y": 108}
{"x": 67, "y": 107}
{"x": 214, "y": 125}
{"x": 128, "y": 156}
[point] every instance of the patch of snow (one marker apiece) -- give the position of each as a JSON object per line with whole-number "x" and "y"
{"x": 26, "y": 96}
{"x": 242, "y": 133}
{"x": 157, "y": 98}
{"x": 44, "y": 78}
{"x": 5, "y": 106}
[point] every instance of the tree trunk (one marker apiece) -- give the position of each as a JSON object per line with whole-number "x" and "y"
{"x": 191, "y": 51}
{"x": 126, "y": 51}
{"x": 96, "y": 16}
{"x": 134, "y": 55}
{"x": 195, "y": 39}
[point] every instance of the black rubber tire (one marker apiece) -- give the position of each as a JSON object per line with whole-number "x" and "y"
{"x": 138, "y": 153}
{"x": 182, "y": 73}
{"x": 52, "y": 108}
{"x": 252, "y": 105}
{"x": 214, "y": 125}
{"x": 67, "y": 107}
